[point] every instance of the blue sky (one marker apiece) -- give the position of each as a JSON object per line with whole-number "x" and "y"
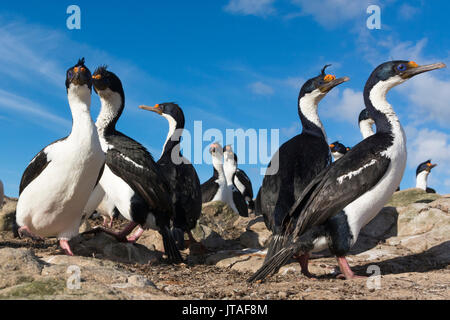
{"x": 230, "y": 64}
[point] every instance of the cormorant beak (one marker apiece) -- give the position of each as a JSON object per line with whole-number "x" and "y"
{"x": 431, "y": 166}
{"x": 325, "y": 88}
{"x": 332, "y": 146}
{"x": 414, "y": 69}
{"x": 156, "y": 109}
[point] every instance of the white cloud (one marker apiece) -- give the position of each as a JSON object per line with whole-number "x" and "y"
{"x": 260, "y": 8}
{"x": 261, "y": 88}
{"x": 330, "y": 13}
{"x": 34, "y": 111}
{"x": 424, "y": 144}
{"x": 291, "y": 131}
{"x": 343, "y": 107}
{"x": 407, "y": 12}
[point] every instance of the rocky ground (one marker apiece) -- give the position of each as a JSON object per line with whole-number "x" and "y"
{"x": 408, "y": 244}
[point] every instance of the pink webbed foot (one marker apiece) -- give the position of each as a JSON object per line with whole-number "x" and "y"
{"x": 24, "y": 232}
{"x": 135, "y": 237}
{"x": 64, "y": 244}
{"x": 347, "y": 273}
{"x": 303, "y": 260}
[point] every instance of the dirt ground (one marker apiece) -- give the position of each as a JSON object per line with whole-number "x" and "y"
{"x": 405, "y": 276}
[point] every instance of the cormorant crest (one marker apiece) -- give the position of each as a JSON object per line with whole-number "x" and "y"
{"x": 80, "y": 62}
{"x": 323, "y": 70}
{"x": 101, "y": 69}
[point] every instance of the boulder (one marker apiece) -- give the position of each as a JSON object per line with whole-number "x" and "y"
{"x": 256, "y": 234}
{"x": 406, "y": 197}
{"x": 104, "y": 246}
{"x": 7, "y": 214}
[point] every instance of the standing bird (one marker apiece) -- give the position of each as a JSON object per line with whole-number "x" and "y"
{"x": 107, "y": 209}
{"x": 350, "y": 193}
{"x": 230, "y": 169}
{"x": 217, "y": 187}
{"x": 241, "y": 181}
{"x": 298, "y": 161}
{"x": 59, "y": 180}
{"x": 131, "y": 179}
{"x": 180, "y": 173}
{"x": 338, "y": 150}
{"x": 422, "y": 173}
{"x": 366, "y": 124}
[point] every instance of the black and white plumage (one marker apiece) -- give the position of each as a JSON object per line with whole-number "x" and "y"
{"x": 217, "y": 188}
{"x": 350, "y": 193}
{"x": 240, "y": 180}
{"x": 100, "y": 203}
{"x": 180, "y": 173}
{"x": 366, "y": 124}
{"x": 298, "y": 160}
{"x": 338, "y": 150}
{"x": 131, "y": 179}
{"x": 230, "y": 169}
{"x": 422, "y": 173}
{"x": 57, "y": 183}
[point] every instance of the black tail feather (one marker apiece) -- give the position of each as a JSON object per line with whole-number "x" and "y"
{"x": 170, "y": 247}
{"x": 275, "y": 245}
{"x": 273, "y": 265}
{"x": 178, "y": 236}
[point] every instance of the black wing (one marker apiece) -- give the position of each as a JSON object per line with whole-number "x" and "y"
{"x": 134, "y": 164}
{"x": 36, "y": 167}
{"x": 245, "y": 180}
{"x": 209, "y": 189}
{"x": 330, "y": 192}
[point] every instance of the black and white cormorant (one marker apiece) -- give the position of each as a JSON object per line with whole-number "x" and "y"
{"x": 366, "y": 124}
{"x": 181, "y": 174}
{"x": 107, "y": 209}
{"x": 57, "y": 183}
{"x": 131, "y": 179}
{"x": 241, "y": 181}
{"x": 298, "y": 160}
{"x": 422, "y": 173}
{"x": 338, "y": 150}
{"x": 350, "y": 193}
{"x": 230, "y": 170}
{"x": 217, "y": 187}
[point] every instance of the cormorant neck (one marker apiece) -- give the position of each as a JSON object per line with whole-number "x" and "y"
{"x": 112, "y": 105}
{"x": 365, "y": 126}
{"x": 80, "y": 103}
{"x": 218, "y": 167}
{"x": 173, "y": 139}
{"x": 378, "y": 107}
{"x": 422, "y": 180}
{"x": 230, "y": 169}
{"x": 307, "y": 110}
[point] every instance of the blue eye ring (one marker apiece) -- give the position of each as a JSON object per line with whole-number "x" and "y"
{"x": 401, "y": 67}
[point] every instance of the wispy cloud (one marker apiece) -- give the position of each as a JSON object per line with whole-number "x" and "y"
{"x": 260, "y": 8}
{"x": 33, "y": 111}
{"x": 343, "y": 105}
{"x": 261, "y": 88}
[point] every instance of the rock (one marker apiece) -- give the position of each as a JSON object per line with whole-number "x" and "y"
{"x": 240, "y": 260}
{"x": 406, "y": 197}
{"x": 152, "y": 239}
{"x": 105, "y": 246}
{"x": 383, "y": 226}
{"x": 18, "y": 266}
{"x": 256, "y": 234}
{"x": 7, "y": 214}
{"x": 219, "y": 226}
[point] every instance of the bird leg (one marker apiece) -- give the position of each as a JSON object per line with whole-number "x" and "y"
{"x": 194, "y": 245}
{"x": 347, "y": 272}
{"x": 64, "y": 244}
{"x": 120, "y": 236}
{"x": 135, "y": 237}
{"x": 110, "y": 225}
{"x": 304, "y": 260}
{"x": 24, "y": 232}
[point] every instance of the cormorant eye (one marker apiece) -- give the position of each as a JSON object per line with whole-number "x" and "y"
{"x": 401, "y": 67}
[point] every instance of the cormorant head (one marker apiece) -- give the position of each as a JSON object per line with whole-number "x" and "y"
{"x": 169, "y": 110}
{"x": 229, "y": 155}
{"x": 365, "y": 117}
{"x": 393, "y": 73}
{"x": 337, "y": 147}
{"x": 322, "y": 84}
{"x": 79, "y": 75}
{"x": 103, "y": 79}
{"x": 216, "y": 150}
{"x": 425, "y": 166}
